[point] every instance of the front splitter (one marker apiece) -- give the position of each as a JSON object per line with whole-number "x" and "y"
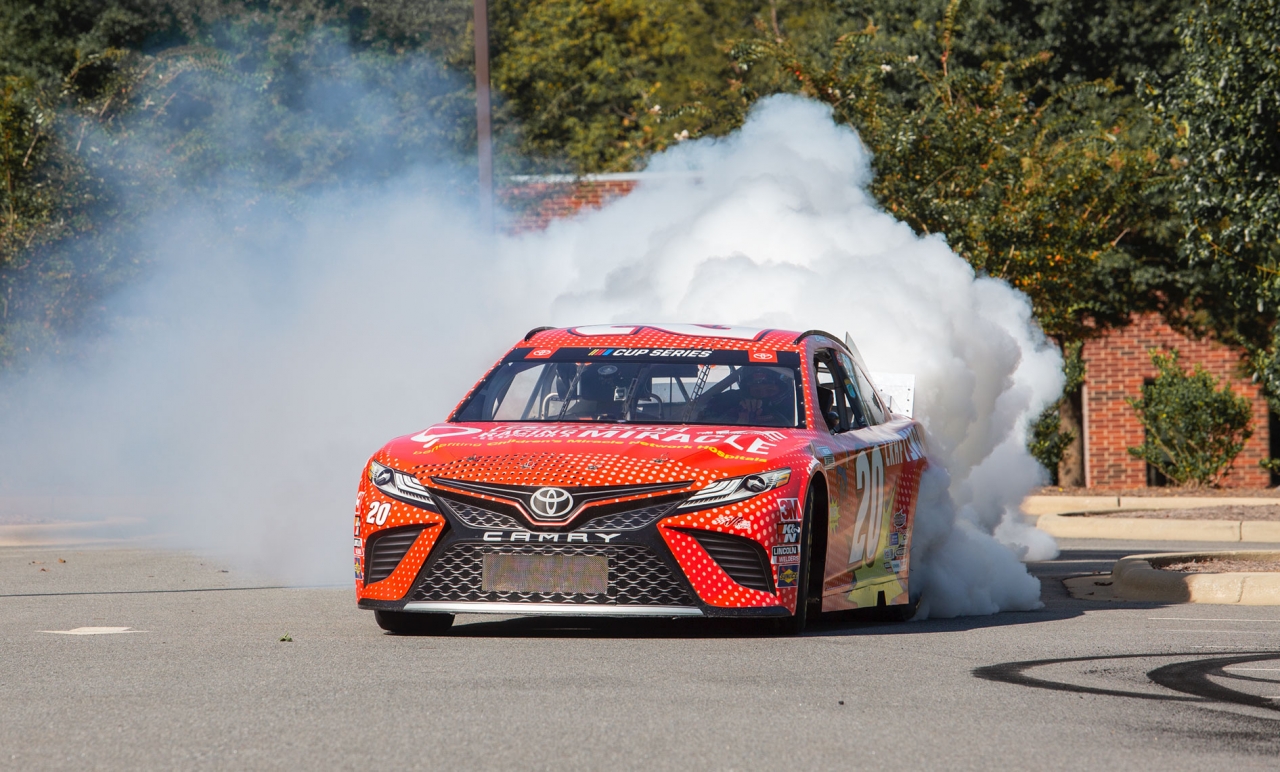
{"x": 550, "y": 609}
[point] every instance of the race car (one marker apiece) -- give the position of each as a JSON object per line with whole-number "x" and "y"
{"x": 649, "y": 470}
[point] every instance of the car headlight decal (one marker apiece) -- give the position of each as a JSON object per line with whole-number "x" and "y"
{"x": 398, "y": 485}
{"x": 733, "y": 489}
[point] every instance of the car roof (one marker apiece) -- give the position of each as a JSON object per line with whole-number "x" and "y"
{"x": 716, "y": 337}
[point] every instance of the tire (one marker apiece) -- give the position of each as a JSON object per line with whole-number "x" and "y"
{"x": 902, "y": 613}
{"x": 809, "y": 583}
{"x": 411, "y": 623}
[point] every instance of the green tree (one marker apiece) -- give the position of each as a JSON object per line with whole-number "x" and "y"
{"x": 1194, "y": 430}
{"x": 1049, "y": 195}
{"x": 114, "y": 111}
{"x": 1223, "y": 117}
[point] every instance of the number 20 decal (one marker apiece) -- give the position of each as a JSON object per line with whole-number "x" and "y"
{"x": 869, "y": 471}
{"x": 378, "y": 513}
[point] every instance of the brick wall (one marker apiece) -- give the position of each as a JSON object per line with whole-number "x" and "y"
{"x": 1117, "y": 365}
{"x": 533, "y": 202}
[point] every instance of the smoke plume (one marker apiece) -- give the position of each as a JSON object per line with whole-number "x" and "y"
{"x": 246, "y": 381}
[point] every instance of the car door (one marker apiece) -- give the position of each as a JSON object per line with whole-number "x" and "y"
{"x": 868, "y": 527}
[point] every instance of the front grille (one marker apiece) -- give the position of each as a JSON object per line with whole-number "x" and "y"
{"x": 637, "y": 577}
{"x": 486, "y": 515}
{"x": 483, "y": 518}
{"x": 386, "y": 550}
{"x": 743, "y": 559}
{"x": 630, "y": 520}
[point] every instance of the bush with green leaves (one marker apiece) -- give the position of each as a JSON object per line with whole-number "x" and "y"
{"x": 1047, "y": 438}
{"x": 1047, "y": 441}
{"x": 1194, "y": 429}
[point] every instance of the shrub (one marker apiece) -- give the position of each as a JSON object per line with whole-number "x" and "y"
{"x": 1048, "y": 441}
{"x": 1194, "y": 429}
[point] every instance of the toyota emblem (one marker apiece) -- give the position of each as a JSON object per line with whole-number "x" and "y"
{"x": 550, "y": 503}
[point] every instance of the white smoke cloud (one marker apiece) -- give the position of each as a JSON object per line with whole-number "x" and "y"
{"x": 247, "y": 386}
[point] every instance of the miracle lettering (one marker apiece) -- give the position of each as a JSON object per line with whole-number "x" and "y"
{"x": 746, "y": 441}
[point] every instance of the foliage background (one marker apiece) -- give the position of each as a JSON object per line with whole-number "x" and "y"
{"x": 1104, "y": 156}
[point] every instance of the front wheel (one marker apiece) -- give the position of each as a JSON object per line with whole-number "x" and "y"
{"x": 411, "y": 623}
{"x": 813, "y": 559}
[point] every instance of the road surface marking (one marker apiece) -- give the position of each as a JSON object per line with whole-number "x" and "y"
{"x": 1232, "y": 632}
{"x": 94, "y": 631}
{"x": 1211, "y": 619}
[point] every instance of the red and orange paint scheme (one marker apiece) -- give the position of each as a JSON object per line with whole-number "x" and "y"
{"x": 651, "y": 470}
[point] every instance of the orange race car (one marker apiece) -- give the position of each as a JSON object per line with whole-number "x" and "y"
{"x": 649, "y": 470}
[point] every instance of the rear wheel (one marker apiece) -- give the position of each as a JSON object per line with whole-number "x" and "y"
{"x": 813, "y": 559}
{"x": 900, "y": 613}
{"x": 410, "y": 623}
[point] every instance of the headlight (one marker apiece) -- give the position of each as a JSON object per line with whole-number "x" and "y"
{"x": 397, "y": 484}
{"x": 734, "y": 489}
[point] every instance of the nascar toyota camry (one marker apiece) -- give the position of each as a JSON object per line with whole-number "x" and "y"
{"x": 649, "y": 470}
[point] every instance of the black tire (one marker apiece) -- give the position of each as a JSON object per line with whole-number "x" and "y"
{"x": 901, "y": 613}
{"x": 809, "y": 583}
{"x": 412, "y": 623}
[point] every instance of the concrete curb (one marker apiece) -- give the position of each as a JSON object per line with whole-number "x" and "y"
{"x": 1136, "y": 578}
{"x": 1140, "y": 528}
{"x": 1065, "y": 505}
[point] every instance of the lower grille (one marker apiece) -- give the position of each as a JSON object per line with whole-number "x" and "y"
{"x": 386, "y": 550}
{"x": 743, "y": 559}
{"x": 637, "y": 577}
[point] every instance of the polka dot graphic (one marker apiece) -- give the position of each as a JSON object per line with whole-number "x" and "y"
{"x": 585, "y": 455}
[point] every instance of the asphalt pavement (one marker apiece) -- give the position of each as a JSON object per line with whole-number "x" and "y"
{"x": 199, "y": 678}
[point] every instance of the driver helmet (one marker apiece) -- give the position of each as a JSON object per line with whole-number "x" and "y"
{"x": 763, "y": 383}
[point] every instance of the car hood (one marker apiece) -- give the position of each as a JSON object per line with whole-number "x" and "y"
{"x": 577, "y": 454}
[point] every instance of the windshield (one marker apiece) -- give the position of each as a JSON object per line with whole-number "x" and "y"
{"x": 639, "y": 392}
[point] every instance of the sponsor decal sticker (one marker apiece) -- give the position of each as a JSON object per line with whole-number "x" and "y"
{"x": 900, "y": 520}
{"x": 789, "y": 510}
{"x": 430, "y": 437}
{"x": 764, "y": 356}
{"x": 787, "y": 576}
{"x": 896, "y": 538}
{"x": 888, "y": 565}
{"x": 896, "y": 566}
{"x": 540, "y": 353}
{"x": 732, "y": 521}
{"x": 747, "y": 441}
{"x": 657, "y": 353}
{"x": 828, "y": 458}
{"x": 786, "y": 555}
{"x": 789, "y": 532}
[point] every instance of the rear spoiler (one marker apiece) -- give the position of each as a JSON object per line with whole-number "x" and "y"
{"x": 897, "y": 389}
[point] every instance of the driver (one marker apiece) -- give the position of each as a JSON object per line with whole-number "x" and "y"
{"x": 764, "y": 398}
